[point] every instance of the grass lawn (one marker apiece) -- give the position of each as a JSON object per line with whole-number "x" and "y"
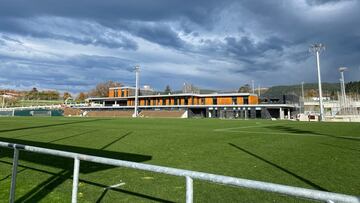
{"x": 324, "y": 156}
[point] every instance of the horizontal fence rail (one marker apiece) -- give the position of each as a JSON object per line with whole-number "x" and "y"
{"x": 189, "y": 175}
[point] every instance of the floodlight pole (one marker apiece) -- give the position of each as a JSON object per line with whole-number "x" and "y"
{"x": 302, "y": 98}
{"x": 317, "y": 48}
{"x": 253, "y": 86}
{"x": 343, "y": 93}
{"x": 137, "y": 71}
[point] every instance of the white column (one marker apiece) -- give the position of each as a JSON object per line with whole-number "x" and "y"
{"x": 289, "y": 114}
{"x": 281, "y": 113}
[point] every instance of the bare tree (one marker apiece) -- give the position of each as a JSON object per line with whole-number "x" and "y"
{"x": 81, "y": 97}
{"x": 66, "y": 95}
{"x": 244, "y": 89}
{"x": 102, "y": 89}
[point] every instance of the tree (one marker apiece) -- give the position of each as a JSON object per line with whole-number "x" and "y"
{"x": 66, "y": 95}
{"x": 311, "y": 93}
{"x": 81, "y": 97}
{"x": 244, "y": 89}
{"x": 167, "y": 89}
{"x": 102, "y": 89}
{"x": 33, "y": 94}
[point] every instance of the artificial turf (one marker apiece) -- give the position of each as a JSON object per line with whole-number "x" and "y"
{"x": 323, "y": 156}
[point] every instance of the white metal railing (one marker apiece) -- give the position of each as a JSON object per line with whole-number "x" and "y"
{"x": 189, "y": 175}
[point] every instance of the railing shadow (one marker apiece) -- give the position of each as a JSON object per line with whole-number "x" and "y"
{"x": 36, "y": 198}
{"x": 304, "y": 180}
{"x": 66, "y": 164}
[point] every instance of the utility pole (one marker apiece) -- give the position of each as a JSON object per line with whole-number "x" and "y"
{"x": 317, "y": 49}
{"x": 259, "y": 92}
{"x": 137, "y": 71}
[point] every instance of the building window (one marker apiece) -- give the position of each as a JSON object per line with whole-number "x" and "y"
{"x": 163, "y": 101}
{"x": 214, "y": 100}
{"x": 122, "y": 93}
{"x": 234, "y": 100}
{"x": 115, "y": 93}
{"x": 246, "y": 100}
{"x": 186, "y": 101}
{"x": 202, "y": 101}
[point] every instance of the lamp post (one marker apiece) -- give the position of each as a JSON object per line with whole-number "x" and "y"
{"x": 137, "y": 71}
{"x": 317, "y": 49}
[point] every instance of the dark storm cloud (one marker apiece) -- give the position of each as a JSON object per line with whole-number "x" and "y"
{"x": 76, "y": 32}
{"x": 259, "y": 39}
{"x": 319, "y": 2}
{"x": 158, "y": 33}
{"x": 113, "y": 10}
{"x": 78, "y": 73}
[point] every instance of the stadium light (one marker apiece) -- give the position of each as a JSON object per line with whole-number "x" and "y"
{"x": 317, "y": 49}
{"x": 137, "y": 71}
{"x": 343, "y": 93}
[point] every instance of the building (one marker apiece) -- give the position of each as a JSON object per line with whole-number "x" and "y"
{"x": 215, "y": 105}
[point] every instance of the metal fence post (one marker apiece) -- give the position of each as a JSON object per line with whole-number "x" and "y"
{"x": 189, "y": 190}
{"x": 13, "y": 176}
{"x": 75, "y": 180}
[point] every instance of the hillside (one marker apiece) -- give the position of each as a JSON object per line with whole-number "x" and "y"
{"x": 310, "y": 89}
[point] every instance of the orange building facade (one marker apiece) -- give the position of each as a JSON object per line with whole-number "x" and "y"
{"x": 117, "y": 97}
{"x": 215, "y": 105}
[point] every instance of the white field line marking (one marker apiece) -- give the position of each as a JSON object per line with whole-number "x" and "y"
{"x": 114, "y": 186}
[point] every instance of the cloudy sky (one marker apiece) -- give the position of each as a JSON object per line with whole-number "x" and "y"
{"x": 72, "y": 45}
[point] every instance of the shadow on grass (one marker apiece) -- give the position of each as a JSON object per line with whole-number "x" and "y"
{"x": 116, "y": 140}
{"x": 71, "y": 136}
{"x": 49, "y": 125}
{"x": 29, "y": 196}
{"x": 299, "y": 131}
{"x": 66, "y": 164}
{"x": 280, "y": 168}
{"x": 130, "y": 193}
{"x": 340, "y": 147}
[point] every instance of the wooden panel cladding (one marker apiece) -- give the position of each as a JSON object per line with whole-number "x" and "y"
{"x": 214, "y": 100}
{"x": 208, "y": 101}
{"x": 253, "y": 100}
{"x": 111, "y": 92}
{"x": 224, "y": 100}
{"x": 240, "y": 100}
{"x": 130, "y": 102}
{"x": 142, "y": 102}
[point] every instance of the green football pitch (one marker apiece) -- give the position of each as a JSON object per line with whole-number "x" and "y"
{"x": 323, "y": 156}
